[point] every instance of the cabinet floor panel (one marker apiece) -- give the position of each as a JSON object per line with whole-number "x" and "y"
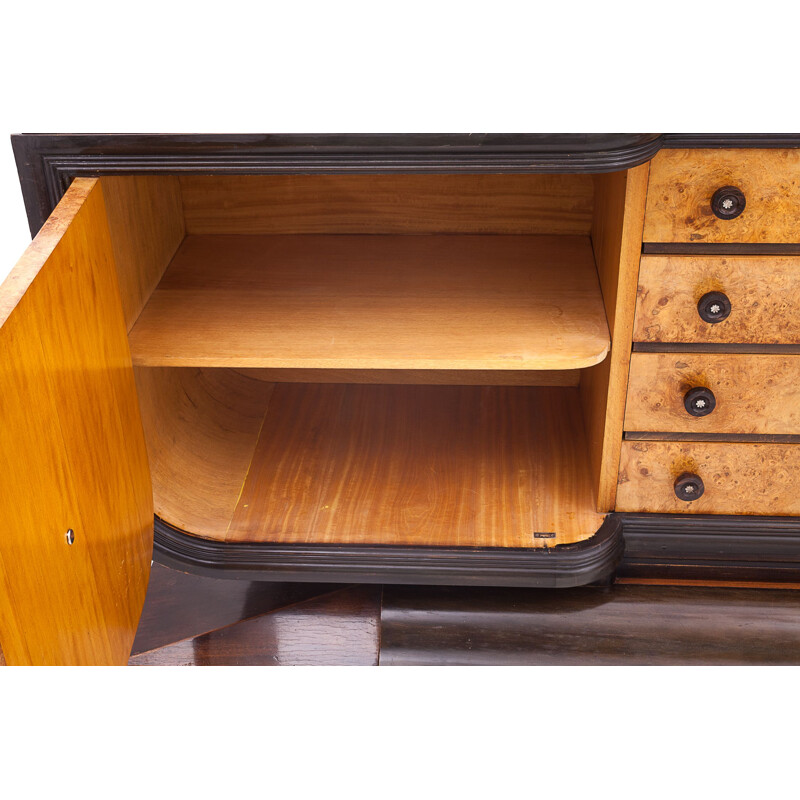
{"x": 475, "y": 302}
{"x": 424, "y": 465}
{"x": 241, "y": 460}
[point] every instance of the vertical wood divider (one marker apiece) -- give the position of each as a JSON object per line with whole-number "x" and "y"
{"x": 617, "y": 227}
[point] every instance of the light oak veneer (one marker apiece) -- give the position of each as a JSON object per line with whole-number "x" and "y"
{"x": 302, "y": 204}
{"x": 376, "y": 302}
{"x": 145, "y": 218}
{"x": 201, "y": 428}
{"x": 432, "y": 377}
{"x": 617, "y": 242}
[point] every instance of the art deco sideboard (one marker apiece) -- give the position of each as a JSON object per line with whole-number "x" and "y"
{"x": 520, "y": 360}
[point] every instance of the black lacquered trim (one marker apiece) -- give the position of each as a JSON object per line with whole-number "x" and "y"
{"x": 561, "y": 566}
{"x": 710, "y": 347}
{"x": 710, "y": 547}
{"x": 47, "y": 163}
{"x": 730, "y": 141}
{"x": 732, "y": 438}
{"x": 706, "y": 249}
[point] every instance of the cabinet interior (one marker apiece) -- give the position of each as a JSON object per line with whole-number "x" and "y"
{"x": 385, "y": 359}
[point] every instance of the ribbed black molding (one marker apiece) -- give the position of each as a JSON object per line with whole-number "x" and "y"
{"x": 592, "y": 560}
{"x": 710, "y": 547}
{"x": 730, "y": 140}
{"x": 47, "y": 163}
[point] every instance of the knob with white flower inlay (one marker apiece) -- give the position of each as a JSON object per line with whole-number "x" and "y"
{"x": 714, "y": 307}
{"x": 688, "y": 486}
{"x": 700, "y": 401}
{"x": 728, "y": 202}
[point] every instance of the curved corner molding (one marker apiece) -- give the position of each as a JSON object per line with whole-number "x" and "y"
{"x": 47, "y": 163}
{"x": 563, "y": 566}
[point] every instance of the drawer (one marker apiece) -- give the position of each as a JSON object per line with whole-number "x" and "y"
{"x": 750, "y": 394}
{"x": 681, "y": 199}
{"x": 737, "y": 478}
{"x": 763, "y": 293}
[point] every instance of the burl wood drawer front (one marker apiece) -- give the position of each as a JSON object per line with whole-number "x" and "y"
{"x": 737, "y": 478}
{"x": 713, "y": 393}
{"x": 763, "y": 293}
{"x": 681, "y": 196}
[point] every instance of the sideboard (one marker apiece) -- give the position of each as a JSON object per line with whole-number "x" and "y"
{"x": 504, "y": 360}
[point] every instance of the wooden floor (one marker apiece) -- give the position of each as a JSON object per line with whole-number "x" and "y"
{"x": 189, "y": 620}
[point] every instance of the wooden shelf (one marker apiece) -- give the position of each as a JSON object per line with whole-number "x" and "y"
{"x": 237, "y": 459}
{"x": 515, "y": 302}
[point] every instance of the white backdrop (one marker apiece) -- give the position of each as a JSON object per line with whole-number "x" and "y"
{"x": 349, "y": 66}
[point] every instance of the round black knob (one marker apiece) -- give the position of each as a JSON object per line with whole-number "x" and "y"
{"x": 700, "y": 401}
{"x": 689, "y": 486}
{"x": 714, "y": 307}
{"x": 728, "y": 202}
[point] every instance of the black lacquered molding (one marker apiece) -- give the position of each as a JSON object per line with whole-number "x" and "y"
{"x": 668, "y": 546}
{"x": 710, "y": 547}
{"x": 730, "y": 141}
{"x": 711, "y": 249}
{"x": 715, "y": 347}
{"x": 47, "y": 163}
{"x": 562, "y": 566}
{"x": 732, "y": 438}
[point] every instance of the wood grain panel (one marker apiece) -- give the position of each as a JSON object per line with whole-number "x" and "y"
{"x": 145, "y": 218}
{"x": 426, "y": 465}
{"x": 376, "y": 302}
{"x": 72, "y": 451}
{"x": 201, "y": 428}
{"x": 739, "y": 478}
{"x": 253, "y": 204}
{"x": 617, "y": 240}
{"x": 764, "y": 292}
{"x": 755, "y": 394}
{"x": 436, "y": 377}
{"x": 339, "y": 629}
{"x": 682, "y": 183}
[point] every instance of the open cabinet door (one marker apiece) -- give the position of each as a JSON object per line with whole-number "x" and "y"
{"x": 73, "y": 464}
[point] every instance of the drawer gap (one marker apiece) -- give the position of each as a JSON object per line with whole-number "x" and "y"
{"x": 655, "y": 436}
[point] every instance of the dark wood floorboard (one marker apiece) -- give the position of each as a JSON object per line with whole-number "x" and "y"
{"x": 619, "y": 625}
{"x": 179, "y": 606}
{"x": 341, "y": 628}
